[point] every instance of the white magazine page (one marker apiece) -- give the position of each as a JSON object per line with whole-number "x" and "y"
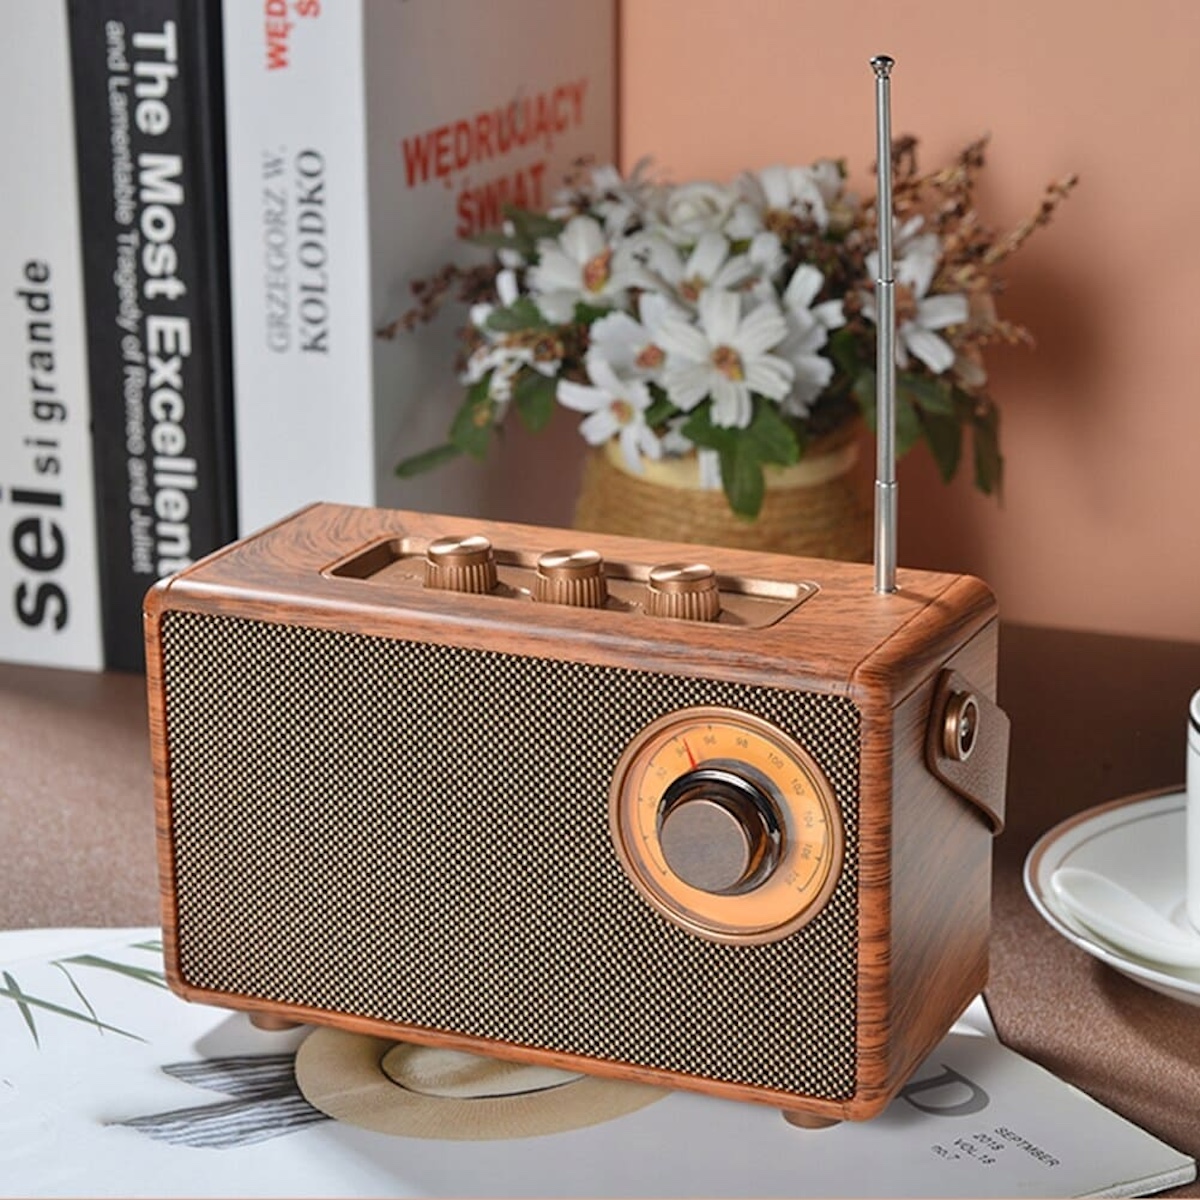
{"x": 110, "y": 1085}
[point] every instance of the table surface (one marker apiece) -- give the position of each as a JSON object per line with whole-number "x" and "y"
{"x": 1094, "y": 718}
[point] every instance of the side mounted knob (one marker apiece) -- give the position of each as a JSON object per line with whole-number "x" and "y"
{"x": 687, "y": 591}
{"x": 460, "y": 564}
{"x": 574, "y": 577}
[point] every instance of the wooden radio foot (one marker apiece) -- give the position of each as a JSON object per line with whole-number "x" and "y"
{"x": 272, "y": 1023}
{"x": 807, "y": 1120}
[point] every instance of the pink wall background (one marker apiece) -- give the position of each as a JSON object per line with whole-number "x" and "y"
{"x": 1099, "y": 527}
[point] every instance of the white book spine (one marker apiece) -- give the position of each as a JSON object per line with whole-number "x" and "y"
{"x": 50, "y": 603}
{"x": 298, "y": 255}
{"x": 367, "y": 142}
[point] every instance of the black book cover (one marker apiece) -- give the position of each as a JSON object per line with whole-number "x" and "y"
{"x": 149, "y": 129}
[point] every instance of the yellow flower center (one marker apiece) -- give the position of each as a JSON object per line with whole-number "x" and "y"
{"x": 596, "y": 271}
{"x": 690, "y": 289}
{"x": 623, "y": 411}
{"x": 780, "y": 221}
{"x": 729, "y": 362}
{"x": 545, "y": 347}
{"x": 650, "y": 357}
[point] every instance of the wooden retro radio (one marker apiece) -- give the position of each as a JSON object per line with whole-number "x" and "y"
{"x": 709, "y": 819}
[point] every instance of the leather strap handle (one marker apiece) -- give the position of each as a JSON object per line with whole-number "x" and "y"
{"x": 966, "y": 745}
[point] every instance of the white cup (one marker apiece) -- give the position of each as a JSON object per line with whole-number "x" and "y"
{"x": 1193, "y": 811}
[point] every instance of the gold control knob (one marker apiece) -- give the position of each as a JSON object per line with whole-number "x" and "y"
{"x": 574, "y": 577}
{"x": 719, "y": 832}
{"x": 460, "y": 564}
{"x": 961, "y": 728}
{"x": 687, "y": 591}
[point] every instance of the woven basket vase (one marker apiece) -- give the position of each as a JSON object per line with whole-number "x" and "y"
{"x": 814, "y": 509}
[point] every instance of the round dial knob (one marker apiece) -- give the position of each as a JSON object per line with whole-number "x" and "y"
{"x": 719, "y": 831}
{"x": 726, "y": 825}
{"x": 460, "y": 564}
{"x": 573, "y": 577}
{"x": 687, "y": 591}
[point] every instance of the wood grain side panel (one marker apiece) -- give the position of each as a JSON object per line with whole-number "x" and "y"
{"x": 154, "y": 606}
{"x": 875, "y": 900}
{"x": 941, "y": 880}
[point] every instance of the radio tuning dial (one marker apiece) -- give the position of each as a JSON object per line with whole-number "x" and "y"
{"x": 574, "y": 577}
{"x": 726, "y": 825}
{"x": 460, "y": 564}
{"x": 686, "y": 591}
{"x": 719, "y": 831}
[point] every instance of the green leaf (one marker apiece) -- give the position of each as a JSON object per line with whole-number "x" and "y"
{"x": 844, "y": 350}
{"x": 908, "y": 420}
{"x": 534, "y": 397}
{"x": 767, "y": 439}
{"x": 863, "y": 390}
{"x": 418, "y": 464}
{"x": 495, "y": 239}
{"x": 471, "y": 431}
{"x": 141, "y": 974}
{"x": 79, "y": 992}
{"x": 743, "y": 482}
{"x": 908, "y": 424}
{"x": 22, "y": 1003}
{"x": 771, "y": 437}
{"x": 589, "y": 314}
{"x": 944, "y": 435}
{"x": 989, "y": 464}
{"x": 25, "y": 1002}
{"x": 699, "y": 428}
{"x": 531, "y": 226}
{"x": 521, "y": 314}
{"x": 931, "y": 395}
{"x": 661, "y": 409}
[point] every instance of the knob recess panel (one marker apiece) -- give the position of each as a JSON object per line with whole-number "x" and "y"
{"x": 776, "y": 833}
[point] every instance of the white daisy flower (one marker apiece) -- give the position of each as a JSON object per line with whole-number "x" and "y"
{"x": 630, "y": 346}
{"x": 711, "y": 264}
{"x": 505, "y": 353}
{"x": 805, "y": 192}
{"x": 919, "y": 315}
{"x": 618, "y": 201}
{"x": 725, "y": 356}
{"x": 808, "y": 331}
{"x": 616, "y": 407}
{"x": 582, "y": 266}
{"x": 693, "y": 209}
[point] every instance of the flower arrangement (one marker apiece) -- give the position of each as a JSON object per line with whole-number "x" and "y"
{"x": 734, "y": 322}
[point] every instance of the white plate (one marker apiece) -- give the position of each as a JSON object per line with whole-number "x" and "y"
{"x": 1138, "y": 842}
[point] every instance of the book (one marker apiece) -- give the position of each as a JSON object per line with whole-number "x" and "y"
{"x": 149, "y": 130}
{"x": 155, "y": 1096}
{"x": 49, "y": 588}
{"x": 367, "y": 143}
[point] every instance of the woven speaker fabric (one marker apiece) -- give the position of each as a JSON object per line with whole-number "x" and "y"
{"x": 418, "y": 834}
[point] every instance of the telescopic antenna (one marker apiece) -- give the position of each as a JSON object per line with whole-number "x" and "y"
{"x": 885, "y": 333}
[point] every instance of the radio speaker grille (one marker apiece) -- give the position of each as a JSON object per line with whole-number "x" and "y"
{"x": 419, "y": 834}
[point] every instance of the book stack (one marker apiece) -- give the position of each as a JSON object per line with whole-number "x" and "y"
{"x": 216, "y": 210}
